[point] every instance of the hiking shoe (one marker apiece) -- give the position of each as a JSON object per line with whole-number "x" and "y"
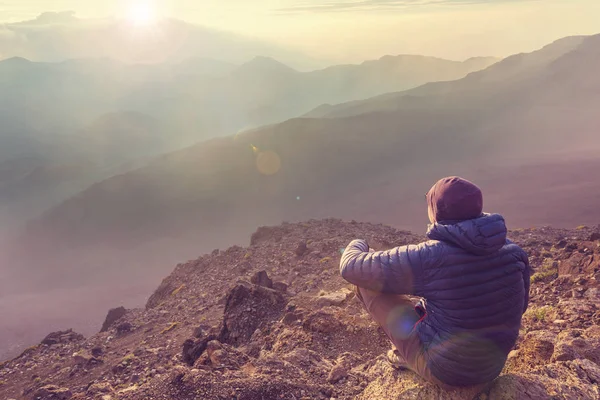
{"x": 397, "y": 362}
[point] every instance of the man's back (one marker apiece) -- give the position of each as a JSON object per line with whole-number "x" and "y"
{"x": 476, "y": 286}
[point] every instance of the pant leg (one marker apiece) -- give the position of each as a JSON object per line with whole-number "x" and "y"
{"x": 397, "y": 316}
{"x": 394, "y": 313}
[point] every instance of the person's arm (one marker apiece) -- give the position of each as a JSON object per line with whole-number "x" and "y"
{"x": 392, "y": 271}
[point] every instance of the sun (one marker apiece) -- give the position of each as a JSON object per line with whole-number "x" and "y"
{"x": 142, "y": 13}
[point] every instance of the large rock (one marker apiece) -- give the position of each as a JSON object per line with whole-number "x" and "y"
{"x": 113, "y": 316}
{"x": 514, "y": 387}
{"x": 574, "y": 344}
{"x": 573, "y": 265}
{"x": 388, "y": 383}
{"x": 62, "y": 337}
{"x": 248, "y": 309}
{"x": 194, "y": 348}
{"x": 536, "y": 348}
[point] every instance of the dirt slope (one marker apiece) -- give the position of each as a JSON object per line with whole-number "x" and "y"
{"x": 218, "y": 328}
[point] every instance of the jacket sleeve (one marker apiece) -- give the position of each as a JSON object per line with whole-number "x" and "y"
{"x": 395, "y": 271}
{"x": 526, "y": 280}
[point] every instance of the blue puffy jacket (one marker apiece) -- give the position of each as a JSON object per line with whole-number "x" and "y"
{"x": 475, "y": 284}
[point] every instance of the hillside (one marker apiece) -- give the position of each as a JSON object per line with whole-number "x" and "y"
{"x": 112, "y": 114}
{"x": 51, "y": 169}
{"x": 274, "y": 320}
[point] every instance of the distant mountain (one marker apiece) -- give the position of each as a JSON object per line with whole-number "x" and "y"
{"x": 512, "y": 73}
{"x": 98, "y": 110}
{"x": 391, "y": 73}
{"x": 197, "y": 99}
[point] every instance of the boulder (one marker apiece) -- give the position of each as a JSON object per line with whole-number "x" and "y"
{"x": 194, "y": 348}
{"x": 113, "y": 316}
{"x": 248, "y": 309}
{"x": 573, "y": 265}
{"x": 536, "y": 348}
{"x": 388, "y": 383}
{"x": 62, "y": 337}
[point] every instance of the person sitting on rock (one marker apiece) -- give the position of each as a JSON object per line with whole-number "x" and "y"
{"x": 473, "y": 283}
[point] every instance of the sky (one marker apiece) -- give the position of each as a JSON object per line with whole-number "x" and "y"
{"x": 355, "y": 30}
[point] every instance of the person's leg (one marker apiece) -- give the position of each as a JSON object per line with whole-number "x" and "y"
{"x": 397, "y": 316}
{"x": 394, "y": 313}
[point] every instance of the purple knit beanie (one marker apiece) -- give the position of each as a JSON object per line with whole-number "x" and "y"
{"x": 454, "y": 199}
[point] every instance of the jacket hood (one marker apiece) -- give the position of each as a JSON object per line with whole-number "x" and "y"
{"x": 484, "y": 235}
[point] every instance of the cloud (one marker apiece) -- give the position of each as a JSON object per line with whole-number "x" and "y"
{"x": 378, "y": 5}
{"x": 55, "y": 37}
{"x": 47, "y": 18}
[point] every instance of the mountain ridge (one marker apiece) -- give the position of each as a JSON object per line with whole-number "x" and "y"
{"x": 547, "y": 55}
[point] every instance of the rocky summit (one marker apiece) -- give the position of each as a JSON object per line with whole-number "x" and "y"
{"x": 276, "y": 321}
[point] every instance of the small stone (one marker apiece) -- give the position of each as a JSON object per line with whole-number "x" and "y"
{"x": 261, "y": 278}
{"x": 103, "y": 387}
{"x": 337, "y": 373}
{"x": 301, "y": 249}
{"x": 561, "y": 244}
{"x": 218, "y": 357}
{"x": 81, "y": 358}
{"x": 333, "y": 299}
{"x": 97, "y": 351}
{"x": 280, "y": 287}
{"x": 124, "y": 328}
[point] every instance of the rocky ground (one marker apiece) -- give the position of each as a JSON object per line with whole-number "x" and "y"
{"x": 275, "y": 321}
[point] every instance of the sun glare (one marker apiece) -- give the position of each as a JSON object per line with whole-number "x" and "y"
{"x": 142, "y": 13}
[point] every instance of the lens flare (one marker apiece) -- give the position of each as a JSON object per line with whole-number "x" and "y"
{"x": 268, "y": 163}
